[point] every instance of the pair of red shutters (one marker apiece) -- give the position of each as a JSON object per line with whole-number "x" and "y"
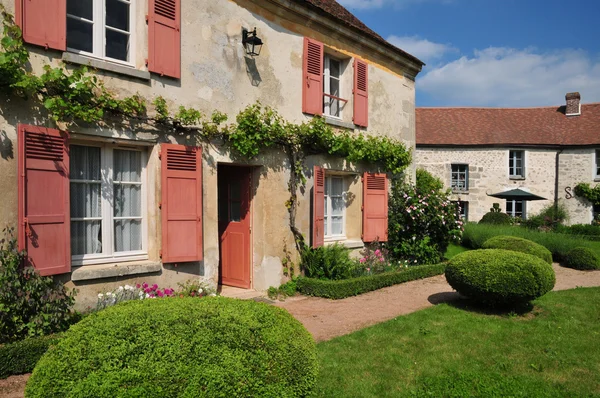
{"x": 374, "y": 208}
{"x": 312, "y": 83}
{"x": 44, "y": 23}
{"x": 44, "y": 219}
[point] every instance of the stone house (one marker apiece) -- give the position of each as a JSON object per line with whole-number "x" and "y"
{"x": 101, "y": 206}
{"x": 482, "y": 151}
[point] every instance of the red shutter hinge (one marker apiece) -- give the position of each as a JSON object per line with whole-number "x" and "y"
{"x": 147, "y": 18}
{"x": 160, "y": 205}
{"x": 160, "y": 253}
{"x": 146, "y": 61}
{"x": 159, "y": 154}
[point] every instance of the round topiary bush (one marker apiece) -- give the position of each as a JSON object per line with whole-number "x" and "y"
{"x": 500, "y": 277}
{"x": 582, "y": 258}
{"x": 180, "y": 347}
{"x": 495, "y": 218}
{"x": 518, "y": 245}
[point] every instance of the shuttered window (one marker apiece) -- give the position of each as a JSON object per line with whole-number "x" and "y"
{"x": 318, "y": 227}
{"x": 181, "y": 203}
{"x": 361, "y": 93}
{"x": 42, "y": 22}
{"x": 164, "y": 37}
{"x": 312, "y": 79}
{"x": 375, "y": 207}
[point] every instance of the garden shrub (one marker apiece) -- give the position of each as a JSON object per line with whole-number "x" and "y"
{"x": 550, "y": 217}
{"x": 21, "y": 357}
{"x": 30, "y": 304}
{"x": 352, "y": 287}
{"x": 582, "y": 258}
{"x": 421, "y": 224}
{"x": 500, "y": 277}
{"x": 329, "y": 262}
{"x": 427, "y": 182}
{"x": 586, "y": 231}
{"x": 180, "y": 347}
{"x": 496, "y": 218}
{"x": 519, "y": 245}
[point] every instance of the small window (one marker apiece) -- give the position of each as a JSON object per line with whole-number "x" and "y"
{"x": 516, "y": 164}
{"x": 107, "y": 204}
{"x": 101, "y": 28}
{"x": 516, "y": 208}
{"x": 335, "y": 207}
{"x": 332, "y": 87}
{"x": 463, "y": 210}
{"x": 460, "y": 180}
{"x": 597, "y": 165}
{"x": 596, "y": 215}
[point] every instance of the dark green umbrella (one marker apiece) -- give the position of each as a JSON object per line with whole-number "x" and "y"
{"x": 516, "y": 194}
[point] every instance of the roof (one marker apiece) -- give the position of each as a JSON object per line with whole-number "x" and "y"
{"x": 508, "y": 126}
{"x": 336, "y": 11}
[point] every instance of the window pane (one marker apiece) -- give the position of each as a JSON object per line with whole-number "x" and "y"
{"x": 127, "y": 166}
{"x": 128, "y": 235}
{"x": 84, "y": 163}
{"x": 337, "y": 206}
{"x": 337, "y": 186}
{"x": 81, "y": 8}
{"x": 79, "y": 35}
{"x": 334, "y": 87}
{"x": 326, "y": 233}
{"x": 334, "y": 68}
{"x": 85, "y": 200}
{"x": 326, "y": 198}
{"x": 509, "y": 207}
{"x": 127, "y": 200}
{"x": 337, "y": 225}
{"x": 117, "y": 45}
{"x": 235, "y": 190}
{"x": 235, "y": 211}
{"x": 117, "y": 14}
{"x": 86, "y": 237}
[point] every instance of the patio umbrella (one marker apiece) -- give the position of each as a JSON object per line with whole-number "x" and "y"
{"x": 516, "y": 194}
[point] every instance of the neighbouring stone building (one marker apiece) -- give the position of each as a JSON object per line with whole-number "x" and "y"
{"x": 481, "y": 151}
{"x": 101, "y": 206}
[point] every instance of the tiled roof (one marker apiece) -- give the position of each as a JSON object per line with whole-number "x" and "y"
{"x": 508, "y": 126}
{"x": 335, "y": 10}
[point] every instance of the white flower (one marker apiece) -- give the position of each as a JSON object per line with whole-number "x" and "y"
{"x": 200, "y": 291}
{"x": 213, "y": 295}
{"x": 141, "y": 293}
{"x": 120, "y": 288}
{"x": 147, "y": 295}
{"x": 127, "y": 287}
{"x": 100, "y": 296}
{"x": 108, "y": 294}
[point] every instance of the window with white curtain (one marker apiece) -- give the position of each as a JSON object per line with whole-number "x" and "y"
{"x": 516, "y": 208}
{"x": 335, "y": 208}
{"x": 107, "y": 204}
{"x": 332, "y": 73}
{"x": 101, "y": 28}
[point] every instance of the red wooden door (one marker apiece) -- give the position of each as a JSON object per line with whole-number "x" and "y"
{"x": 234, "y": 225}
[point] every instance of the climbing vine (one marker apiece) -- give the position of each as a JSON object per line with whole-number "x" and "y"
{"x": 74, "y": 95}
{"x": 585, "y": 190}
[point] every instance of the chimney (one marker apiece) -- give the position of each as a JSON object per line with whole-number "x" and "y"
{"x": 573, "y": 104}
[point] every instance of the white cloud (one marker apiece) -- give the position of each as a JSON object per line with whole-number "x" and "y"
{"x": 500, "y": 76}
{"x": 370, "y": 4}
{"x": 423, "y": 49}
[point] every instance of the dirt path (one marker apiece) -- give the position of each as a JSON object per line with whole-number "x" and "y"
{"x": 326, "y": 319}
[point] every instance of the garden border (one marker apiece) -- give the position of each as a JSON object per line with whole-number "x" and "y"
{"x": 21, "y": 357}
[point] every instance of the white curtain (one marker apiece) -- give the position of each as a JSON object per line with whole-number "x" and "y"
{"x": 127, "y": 190}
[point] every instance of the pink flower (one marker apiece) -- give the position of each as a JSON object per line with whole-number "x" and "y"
{"x": 362, "y": 260}
{"x": 368, "y": 269}
{"x": 147, "y": 290}
{"x": 381, "y": 259}
{"x": 193, "y": 294}
{"x": 137, "y": 285}
{"x": 152, "y": 295}
{"x": 144, "y": 285}
{"x": 377, "y": 252}
{"x": 160, "y": 294}
{"x": 154, "y": 287}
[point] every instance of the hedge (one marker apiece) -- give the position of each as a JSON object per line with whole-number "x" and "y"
{"x": 519, "y": 245}
{"x": 500, "y": 277}
{"x": 355, "y": 286}
{"x": 21, "y": 357}
{"x": 180, "y": 347}
{"x": 582, "y": 258}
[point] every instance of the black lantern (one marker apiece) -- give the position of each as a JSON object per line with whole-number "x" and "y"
{"x": 251, "y": 42}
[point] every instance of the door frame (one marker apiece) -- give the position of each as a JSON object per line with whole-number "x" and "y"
{"x": 250, "y": 170}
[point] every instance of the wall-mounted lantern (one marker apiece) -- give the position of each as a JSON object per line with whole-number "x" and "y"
{"x": 252, "y": 43}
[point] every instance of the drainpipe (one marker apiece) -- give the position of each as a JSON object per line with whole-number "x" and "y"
{"x": 556, "y": 170}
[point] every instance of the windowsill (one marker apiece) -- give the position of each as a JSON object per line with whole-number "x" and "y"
{"x": 89, "y": 272}
{"x": 338, "y": 122}
{"x": 105, "y": 65}
{"x": 597, "y": 179}
{"x": 516, "y": 178}
{"x": 348, "y": 243}
{"x": 460, "y": 192}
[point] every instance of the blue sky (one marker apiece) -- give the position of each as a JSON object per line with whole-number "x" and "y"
{"x": 509, "y": 53}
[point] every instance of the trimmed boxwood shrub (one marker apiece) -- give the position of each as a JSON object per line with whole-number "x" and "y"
{"x": 582, "y": 258}
{"x": 21, "y": 357}
{"x": 180, "y": 347}
{"x": 493, "y": 217}
{"x": 500, "y": 277}
{"x": 352, "y": 287}
{"x": 519, "y": 245}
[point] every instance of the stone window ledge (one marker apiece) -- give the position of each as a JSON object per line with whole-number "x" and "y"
{"x": 348, "y": 243}
{"x": 339, "y": 123}
{"x": 516, "y": 178}
{"x": 104, "y": 65}
{"x": 459, "y": 192}
{"x": 89, "y": 272}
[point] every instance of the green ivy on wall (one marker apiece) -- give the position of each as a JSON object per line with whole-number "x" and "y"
{"x": 585, "y": 190}
{"x": 79, "y": 95}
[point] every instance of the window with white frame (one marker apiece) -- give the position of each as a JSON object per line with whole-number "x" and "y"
{"x": 597, "y": 168}
{"x": 335, "y": 208}
{"x": 107, "y": 204}
{"x": 516, "y": 208}
{"x": 101, "y": 28}
{"x": 332, "y": 103}
{"x": 463, "y": 210}
{"x": 516, "y": 164}
{"x": 460, "y": 177}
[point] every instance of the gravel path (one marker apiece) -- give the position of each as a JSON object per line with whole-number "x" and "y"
{"x": 327, "y": 319}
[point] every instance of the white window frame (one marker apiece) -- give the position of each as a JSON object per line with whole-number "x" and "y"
{"x": 458, "y": 173}
{"x": 597, "y": 164}
{"x": 328, "y": 203}
{"x": 513, "y": 212}
{"x": 327, "y": 86}
{"x": 99, "y": 36}
{"x": 512, "y": 170}
{"x": 106, "y": 169}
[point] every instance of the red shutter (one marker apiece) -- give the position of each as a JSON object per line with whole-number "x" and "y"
{"x": 181, "y": 206}
{"x": 43, "y": 22}
{"x": 164, "y": 37}
{"x": 318, "y": 232}
{"x": 312, "y": 77}
{"x": 44, "y": 224}
{"x": 375, "y": 207}
{"x": 361, "y": 93}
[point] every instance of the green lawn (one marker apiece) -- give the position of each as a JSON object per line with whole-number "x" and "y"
{"x": 453, "y": 250}
{"x": 446, "y": 351}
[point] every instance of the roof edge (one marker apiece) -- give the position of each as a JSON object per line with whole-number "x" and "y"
{"x": 500, "y": 107}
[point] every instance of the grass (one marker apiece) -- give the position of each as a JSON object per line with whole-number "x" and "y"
{"x": 453, "y": 250}
{"x": 452, "y": 351}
